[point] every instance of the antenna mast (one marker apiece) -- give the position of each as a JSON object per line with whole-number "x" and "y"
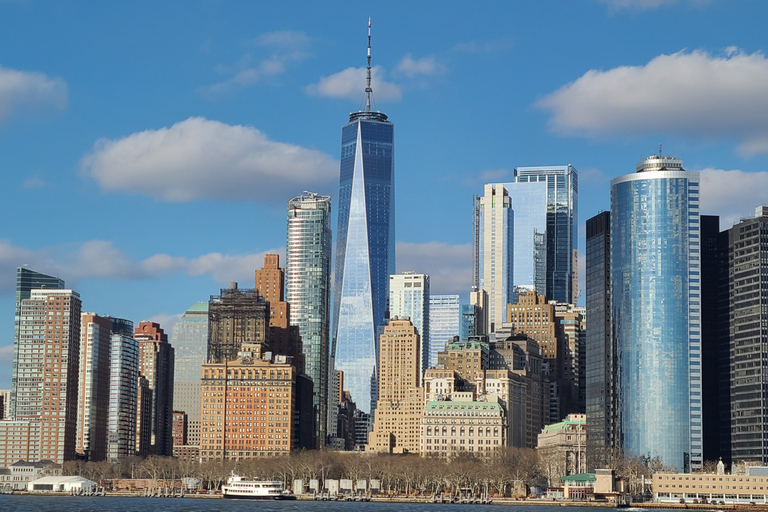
{"x": 368, "y": 89}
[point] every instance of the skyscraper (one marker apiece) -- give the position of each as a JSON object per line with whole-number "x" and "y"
{"x": 190, "y": 343}
{"x": 365, "y": 248}
{"x": 493, "y": 253}
{"x": 444, "y": 323}
{"x": 307, "y": 290}
{"x": 48, "y": 369}
{"x": 26, "y": 281}
{"x": 156, "y": 365}
{"x": 602, "y": 363}
{"x": 284, "y": 337}
{"x": 409, "y": 298}
{"x": 562, "y": 227}
{"x": 745, "y": 303}
{"x": 236, "y": 316}
{"x": 123, "y": 391}
{"x": 655, "y": 297}
{"x": 93, "y": 392}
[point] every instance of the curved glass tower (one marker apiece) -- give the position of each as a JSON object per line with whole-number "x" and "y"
{"x": 655, "y": 295}
{"x": 365, "y": 247}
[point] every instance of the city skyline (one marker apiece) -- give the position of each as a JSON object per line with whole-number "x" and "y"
{"x": 240, "y": 79}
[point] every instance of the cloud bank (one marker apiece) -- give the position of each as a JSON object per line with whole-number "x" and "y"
{"x": 20, "y": 89}
{"x": 690, "y": 94}
{"x": 203, "y": 159}
{"x": 732, "y": 194}
{"x": 350, "y": 84}
{"x": 449, "y": 266}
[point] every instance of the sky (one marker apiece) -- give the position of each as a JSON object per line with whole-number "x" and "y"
{"x": 148, "y": 149}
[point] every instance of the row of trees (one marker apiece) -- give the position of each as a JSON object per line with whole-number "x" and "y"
{"x": 507, "y": 472}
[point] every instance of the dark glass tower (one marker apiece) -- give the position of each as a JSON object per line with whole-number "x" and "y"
{"x": 365, "y": 248}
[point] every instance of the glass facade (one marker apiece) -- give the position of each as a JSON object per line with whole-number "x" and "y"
{"x": 444, "y": 323}
{"x": 409, "y": 297}
{"x": 562, "y": 227}
{"x": 365, "y": 250}
{"x": 190, "y": 341}
{"x": 468, "y": 325}
{"x": 601, "y": 398}
{"x": 529, "y": 211}
{"x": 123, "y": 393}
{"x": 308, "y": 288}
{"x": 655, "y": 294}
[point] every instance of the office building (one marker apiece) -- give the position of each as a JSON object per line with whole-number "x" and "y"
{"x": 156, "y": 364}
{"x": 444, "y": 323}
{"x": 283, "y": 335}
{"x": 450, "y": 427}
{"x": 573, "y": 325}
{"x": 179, "y": 429}
{"x": 93, "y": 390}
{"x": 400, "y": 403}
{"x": 602, "y": 399}
{"x": 262, "y": 424}
{"x": 48, "y": 369}
{"x": 745, "y": 247}
{"x": 492, "y": 282}
{"x": 307, "y": 290}
{"x": 562, "y": 227}
{"x": 236, "y": 316}
{"x": 190, "y": 344}
{"x": 656, "y": 308}
{"x": 26, "y": 281}
{"x": 409, "y": 298}
{"x": 468, "y": 325}
{"x": 562, "y": 447}
{"x": 365, "y": 247}
{"x": 123, "y": 391}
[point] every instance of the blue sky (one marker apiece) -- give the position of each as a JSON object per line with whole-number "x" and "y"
{"x": 148, "y": 149}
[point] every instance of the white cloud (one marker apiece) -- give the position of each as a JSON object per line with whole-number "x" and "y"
{"x": 29, "y": 89}
{"x": 424, "y": 66}
{"x": 34, "y": 182}
{"x": 732, "y": 194}
{"x": 203, "y": 159}
{"x": 350, "y": 84}
{"x": 166, "y": 321}
{"x": 100, "y": 259}
{"x": 449, "y": 266}
{"x": 284, "y": 47}
{"x": 691, "y": 94}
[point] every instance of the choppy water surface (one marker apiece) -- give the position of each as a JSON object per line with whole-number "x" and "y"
{"x": 15, "y": 503}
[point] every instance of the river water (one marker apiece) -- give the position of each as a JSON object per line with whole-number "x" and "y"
{"x": 24, "y": 503}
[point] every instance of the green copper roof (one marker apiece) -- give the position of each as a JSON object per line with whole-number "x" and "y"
{"x": 198, "y": 307}
{"x": 579, "y": 477}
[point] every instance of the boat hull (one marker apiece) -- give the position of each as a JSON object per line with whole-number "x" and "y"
{"x": 255, "y": 497}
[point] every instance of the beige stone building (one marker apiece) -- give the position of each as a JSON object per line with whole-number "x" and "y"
{"x": 749, "y": 487}
{"x": 449, "y": 427}
{"x": 248, "y": 407}
{"x": 401, "y": 400}
{"x": 562, "y": 447}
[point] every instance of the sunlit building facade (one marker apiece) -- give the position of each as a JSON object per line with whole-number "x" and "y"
{"x": 409, "y": 298}
{"x": 190, "y": 343}
{"x": 444, "y": 323}
{"x": 655, "y": 295}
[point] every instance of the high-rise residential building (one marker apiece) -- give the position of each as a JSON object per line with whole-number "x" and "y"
{"x": 529, "y": 237}
{"x": 5, "y": 403}
{"x": 26, "y": 281}
{"x": 190, "y": 344}
{"x": 562, "y": 227}
{"x": 398, "y": 410}
{"x": 745, "y": 248}
{"x": 93, "y": 389}
{"x": 493, "y": 254}
{"x": 409, "y": 298}
{"x": 308, "y": 288}
{"x": 444, "y": 323}
{"x": 236, "y": 316}
{"x": 602, "y": 400}
{"x": 179, "y": 428}
{"x": 283, "y": 335}
{"x": 48, "y": 369}
{"x": 156, "y": 364}
{"x": 123, "y": 391}
{"x": 365, "y": 247}
{"x": 263, "y": 423}
{"x": 656, "y": 308}
{"x": 573, "y": 325}
{"x": 144, "y": 403}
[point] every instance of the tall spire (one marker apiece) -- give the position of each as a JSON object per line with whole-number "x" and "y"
{"x": 368, "y": 89}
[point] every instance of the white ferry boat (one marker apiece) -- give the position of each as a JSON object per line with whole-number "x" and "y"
{"x": 243, "y": 488}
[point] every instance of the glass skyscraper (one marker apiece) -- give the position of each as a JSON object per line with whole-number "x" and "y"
{"x": 562, "y": 227}
{"x": 190, "y": 342}
{"x": 656, "y": 296}
{"x": 308, "y": 289}
{"x": 409, "y": 298}
{"x": 444, "y": 323}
